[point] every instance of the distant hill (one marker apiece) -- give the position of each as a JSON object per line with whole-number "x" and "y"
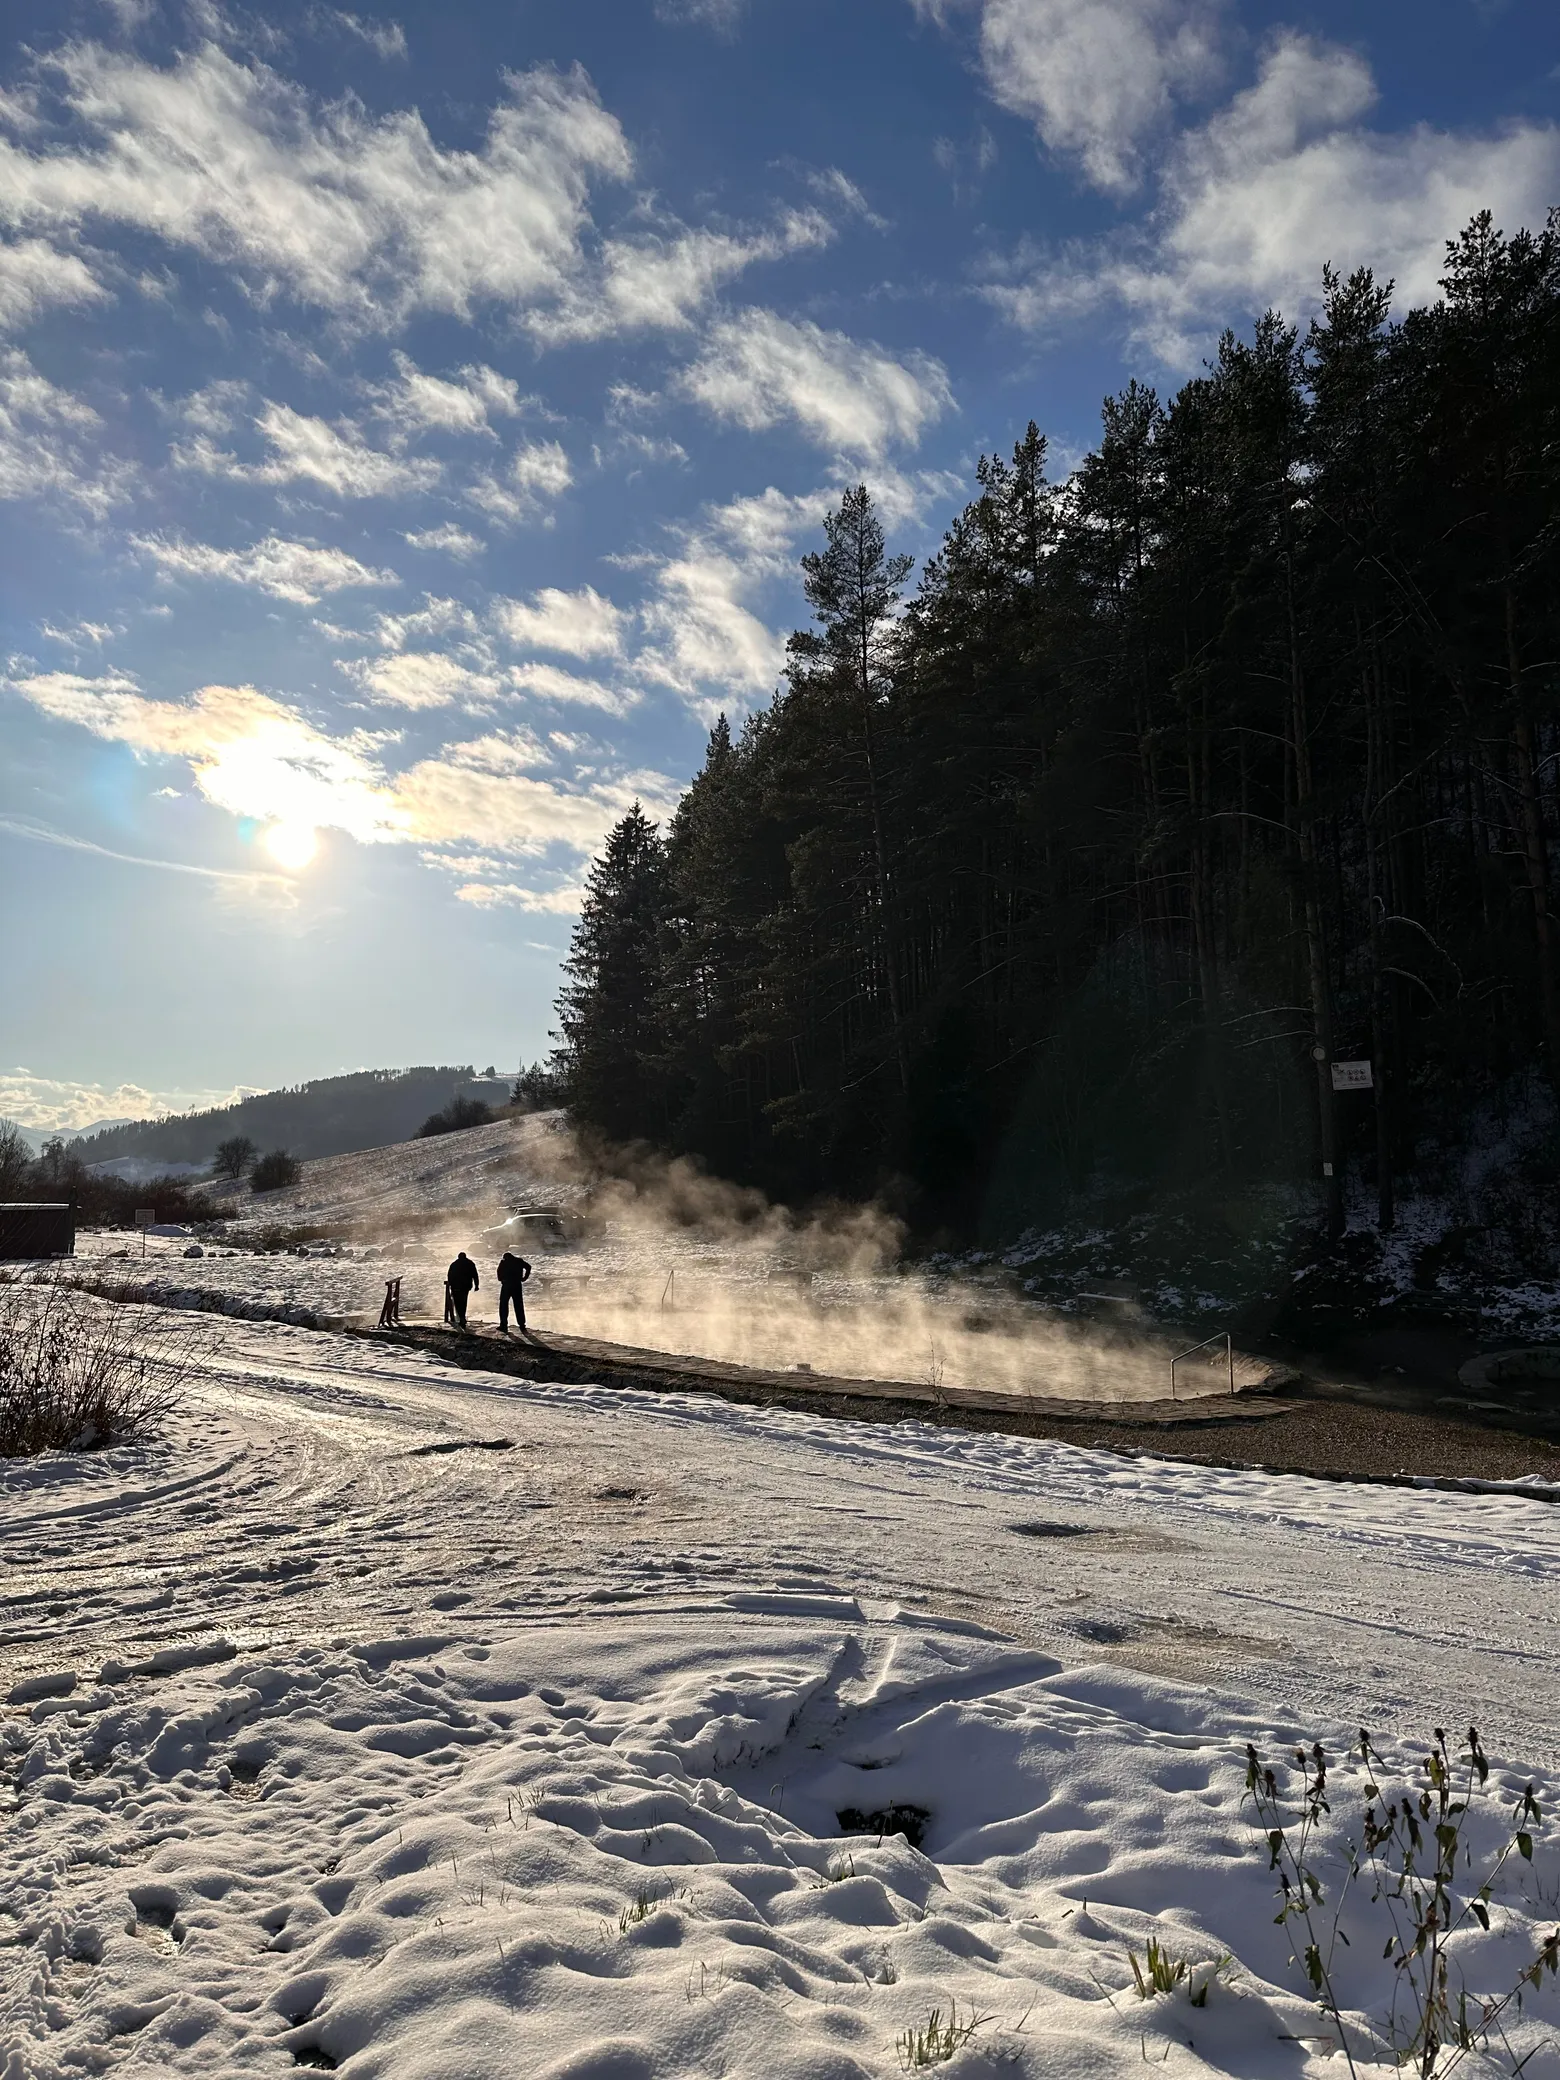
{"x": 332, "y": 1116}
{"x": 35, "y": 1137}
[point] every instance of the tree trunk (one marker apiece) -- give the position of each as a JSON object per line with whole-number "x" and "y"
{"x": 1378, "y": 881}
{"x": 880, "y": 855}
{"x": 1315, "y": 941}
{"x": 1536, "y": 858}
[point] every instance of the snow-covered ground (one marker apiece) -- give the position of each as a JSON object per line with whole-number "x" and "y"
{"x": 440, "y": 1724}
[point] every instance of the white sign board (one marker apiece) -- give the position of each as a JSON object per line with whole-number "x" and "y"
{"x": 1351, "y": 1076}
{"x": 145, "y": 1216}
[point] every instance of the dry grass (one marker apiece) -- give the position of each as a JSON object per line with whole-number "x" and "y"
{"x": 76, "y": 1372}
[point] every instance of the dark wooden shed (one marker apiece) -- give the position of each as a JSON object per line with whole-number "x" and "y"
{"x": 37, "y": 1228}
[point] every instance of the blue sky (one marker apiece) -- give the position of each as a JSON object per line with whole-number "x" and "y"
{"x": 410, "y": 421}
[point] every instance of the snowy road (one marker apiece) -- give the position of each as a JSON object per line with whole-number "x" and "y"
{"x": 312, "y": 1491}
{"x": 284, "y": 1621}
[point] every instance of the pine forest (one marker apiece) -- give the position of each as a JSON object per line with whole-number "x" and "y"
{"x": 1065, "y": 875}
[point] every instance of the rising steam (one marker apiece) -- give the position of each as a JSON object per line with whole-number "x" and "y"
{"x": 661, "y": 1256}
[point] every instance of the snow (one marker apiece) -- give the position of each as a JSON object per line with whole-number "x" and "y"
{"x": 440, "y": 1723}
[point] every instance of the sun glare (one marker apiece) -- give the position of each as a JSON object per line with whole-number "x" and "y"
{"x": 291, "y": 845}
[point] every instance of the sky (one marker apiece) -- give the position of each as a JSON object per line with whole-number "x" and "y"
{"x": 411, "y": 420}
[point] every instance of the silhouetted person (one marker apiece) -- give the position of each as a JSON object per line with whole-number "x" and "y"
{"x": 513, "y": 1272}
{"x": 461, "y": 1281}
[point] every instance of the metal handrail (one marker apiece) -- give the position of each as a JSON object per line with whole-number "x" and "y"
{"x": 1207, "y": 1342}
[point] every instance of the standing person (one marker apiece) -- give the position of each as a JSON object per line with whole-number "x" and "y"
{"x": 462, "y": 1282}
{"x": 513, "y": 1272}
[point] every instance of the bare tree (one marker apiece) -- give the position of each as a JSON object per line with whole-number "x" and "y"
{"x": 16, "y": 1160}
{"x": 234, "y": 1156}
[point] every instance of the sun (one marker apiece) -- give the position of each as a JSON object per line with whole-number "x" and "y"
{"x": 292, "y": 845}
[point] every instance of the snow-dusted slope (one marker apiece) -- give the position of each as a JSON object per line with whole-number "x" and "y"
{"x": 443, "y": 1725}
{"x": 480, "y": 1172}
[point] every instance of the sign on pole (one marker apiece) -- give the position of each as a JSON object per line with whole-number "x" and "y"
{"x": 145, "y": 1216}
{"x": 1352, "y": 1076}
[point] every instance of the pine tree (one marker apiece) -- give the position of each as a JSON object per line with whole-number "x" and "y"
{"x": 853, "y": 586}
{"x": 610, "y": 1058}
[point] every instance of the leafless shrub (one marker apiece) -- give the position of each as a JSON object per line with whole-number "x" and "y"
{"x": 77, "y": 1372}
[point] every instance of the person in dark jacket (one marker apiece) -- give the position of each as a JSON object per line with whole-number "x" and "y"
{"x": 461, "y": 1281}
{"x": 513, "y": 1272}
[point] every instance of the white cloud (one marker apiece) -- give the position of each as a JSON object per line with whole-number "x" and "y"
{"x": 53, "y": 1105}
{"x": 250, "y": 754}
{"x": 340, "y": 460}
{"x": 536, "y": 473}
{"x": 416, "y": 401}
{"x": 386, "y": 40}
{"x": 706, "y": 640}
{"x": 837, "y": 187}
{"x": 966, "y": 165}
{"x": 703, "y": 634}
{"x": 81, "y": 634}
{"x": 1283, "y": 179}
{"x": 300, "y": 571}
{"x": 435, "y": 617}
{"x": 362, "y": 216}
{"x": 514, "y": 750}
{"x": 447, "y": 540}
{"x": 311, "y": 450}
{"x": 35, "y": 277}
{"x": 758, "y": 369}
{"x": 552, "y": 683}
{"x": 641, "y": 448}
{"x": 131, "y": 15}
{"x": 563, "y": 901}
{"x": 214, "y": 410}
{"x": 580, "y": 624}
{"x": 720, "y": 15}
{"x": 367, "y": 217}
{"x": 420, "y": 679}
{"x": 479, "y": 793}
{"x": 44, "y": 432}
{"x": 541, "y": 470}
{"x": 257, "y": 757}
{"x": 1096, "y": 77}
{"x": 54, "y": 692}
{"x": 663, "y": 281}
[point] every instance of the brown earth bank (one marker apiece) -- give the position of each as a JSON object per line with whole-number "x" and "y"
{"x": 1329, "y": 1428}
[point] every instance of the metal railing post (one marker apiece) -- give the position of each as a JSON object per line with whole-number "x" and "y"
{"x": 1207, "y": 1343}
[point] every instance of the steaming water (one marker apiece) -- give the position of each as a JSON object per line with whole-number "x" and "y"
{"x": 674, "y": 1261}
{"x": 895, "y": 1330}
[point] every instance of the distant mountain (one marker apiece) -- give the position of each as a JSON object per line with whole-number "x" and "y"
{"x": 35, "y": 1137}
{"x": 332, "y": 1116}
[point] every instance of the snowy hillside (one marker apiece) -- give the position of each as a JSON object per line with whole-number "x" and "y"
{"x": 426, "y": 1723}
{"x": 477, "y": 1173}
